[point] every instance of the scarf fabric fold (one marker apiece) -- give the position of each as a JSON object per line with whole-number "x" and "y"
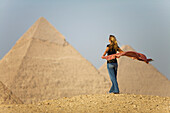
{"x": 132, "y": 54}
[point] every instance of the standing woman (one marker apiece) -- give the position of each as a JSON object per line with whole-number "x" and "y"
{"x": 112, "y": 65}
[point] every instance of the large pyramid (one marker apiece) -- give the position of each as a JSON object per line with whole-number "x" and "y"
{"x": 7, "y": 97}
{"x": 43, "y": 65}
{"x": 138, "y": 77}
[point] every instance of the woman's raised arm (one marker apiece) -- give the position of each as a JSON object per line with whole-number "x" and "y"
{"x": 107, "y": 49}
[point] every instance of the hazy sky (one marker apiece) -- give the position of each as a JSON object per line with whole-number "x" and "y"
{"x": 86, "y": 25}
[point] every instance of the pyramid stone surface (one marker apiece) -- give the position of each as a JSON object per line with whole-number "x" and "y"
{"x": 7, "y": 97}
{"x": 138, "y": 77}
{"x": 43, "y": 65}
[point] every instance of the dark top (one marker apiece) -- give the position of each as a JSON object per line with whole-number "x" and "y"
{"x": 110, "y": 52}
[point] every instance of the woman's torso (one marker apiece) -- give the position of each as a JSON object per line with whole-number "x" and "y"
{"x": 110, "y": 52}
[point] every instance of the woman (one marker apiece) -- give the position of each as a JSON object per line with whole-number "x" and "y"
{"x": 112, "y": 65}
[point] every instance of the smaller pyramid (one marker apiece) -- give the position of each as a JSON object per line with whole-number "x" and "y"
{"x": 137, "y": 77}
{"x": 7, "y": 97}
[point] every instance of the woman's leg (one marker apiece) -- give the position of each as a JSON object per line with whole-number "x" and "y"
{"x": 112, "y": 69}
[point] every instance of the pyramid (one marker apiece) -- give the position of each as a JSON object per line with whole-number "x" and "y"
{"x": 138, "y": 77}
{"x": 7, "y": 97}
{"x": 42, "y": 65}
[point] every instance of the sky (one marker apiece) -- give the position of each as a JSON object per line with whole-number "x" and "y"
{"x": 87, "y": 24}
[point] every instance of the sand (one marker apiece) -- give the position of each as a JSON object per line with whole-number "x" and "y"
{"x": 96, "y": 103}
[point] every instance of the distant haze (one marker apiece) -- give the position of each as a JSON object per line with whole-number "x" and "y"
{"x": 86, "y": 25}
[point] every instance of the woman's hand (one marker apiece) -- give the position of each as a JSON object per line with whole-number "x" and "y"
{"x": 103, "y": 57}
{"x": 133, "y": 58}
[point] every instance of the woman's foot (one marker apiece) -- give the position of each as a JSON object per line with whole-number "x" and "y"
{"x": 113, "y": 92}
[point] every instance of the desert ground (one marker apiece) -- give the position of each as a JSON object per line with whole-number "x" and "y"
{"x": 95, "y": 103}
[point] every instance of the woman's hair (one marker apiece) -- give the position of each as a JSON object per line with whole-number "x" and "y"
{"x": 113, "y": 43}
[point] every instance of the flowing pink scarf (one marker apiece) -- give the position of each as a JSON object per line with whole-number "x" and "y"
{"x": 132, "y": 54}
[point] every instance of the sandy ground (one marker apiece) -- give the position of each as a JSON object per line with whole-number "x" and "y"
{"x": 97, "y": 103}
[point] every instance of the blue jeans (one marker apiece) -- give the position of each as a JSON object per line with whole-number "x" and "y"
{"x": 112, "y": 69}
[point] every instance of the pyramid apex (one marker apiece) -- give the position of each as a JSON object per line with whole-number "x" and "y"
{"x": 45, "y": 31}
{"x": 127, "y": 48}
{"x": 42, "y": 19}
